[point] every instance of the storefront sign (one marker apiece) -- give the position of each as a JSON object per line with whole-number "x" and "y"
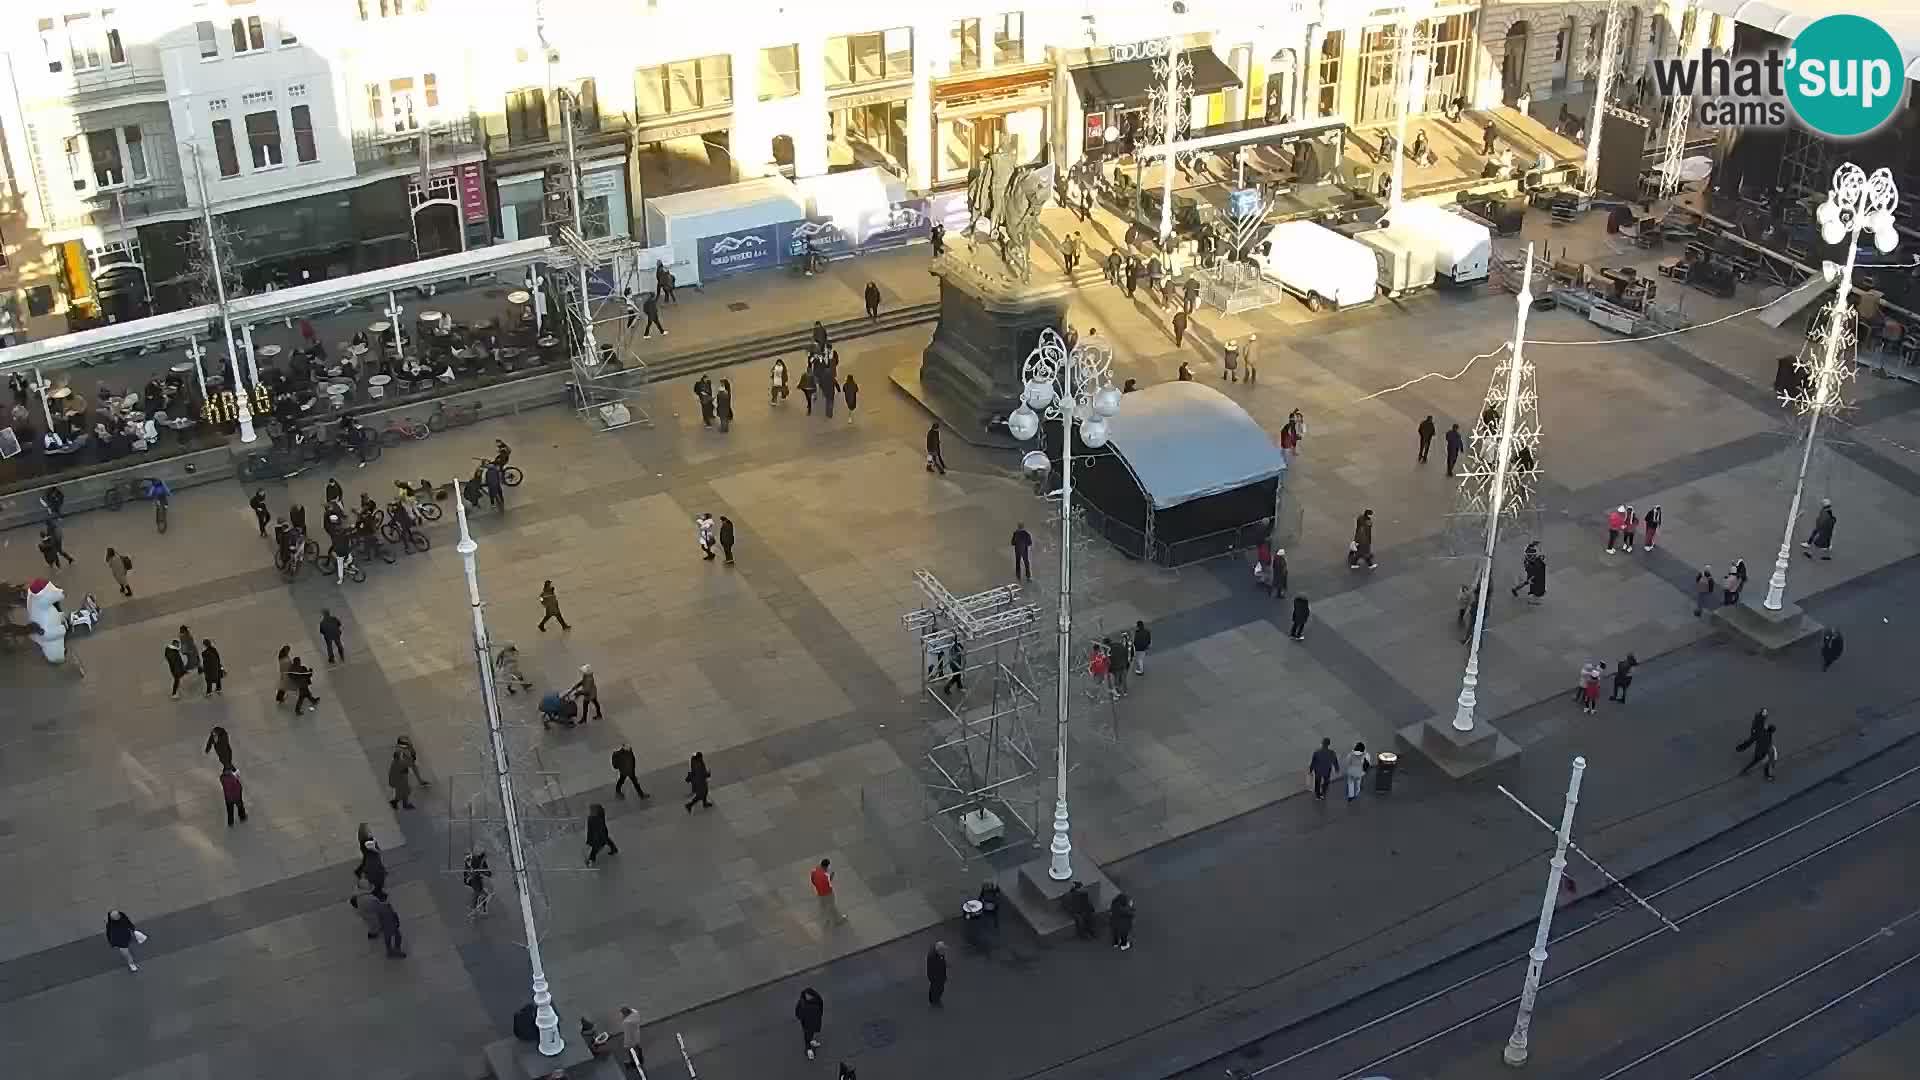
{"x": 1096, "y": 128}
{"x": 871, "y": 97}
{"x": 1149, "y": 49}
{"x": 601, "y": 181}
{"x": 684, "y": 130}
{"x": 738, "y": 252}
{"x": 899, "y": 224}
{"x": 473, "y": 193}
{"x": 829, "y": 240}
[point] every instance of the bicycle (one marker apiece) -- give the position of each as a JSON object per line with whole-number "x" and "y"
{"x": 326, "y": 565}
{"x": 117, "y": 492}
{"x": 445, "y": 416}
{"x": 369, "y": 547}
{"x": 399, "y": 431}
{"x": 423, "y": 499}
{"x": 510, "y": 476}
{"x": 290, "y": 564}
{"x": 407, "y": 539}
{"x": 274, "y": 465}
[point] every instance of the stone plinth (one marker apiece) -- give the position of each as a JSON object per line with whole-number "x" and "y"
{"x": 1458, "y": 753}
{"x": 1035, "y": 897}
{"x": 1763, "y": 631}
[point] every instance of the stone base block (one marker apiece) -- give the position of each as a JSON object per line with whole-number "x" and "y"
{"x": 1035, "y": 896}
{"x": 1457, "y": 753}
{"x": 511, "y": 1059}
{"x": 1763, "y": 631}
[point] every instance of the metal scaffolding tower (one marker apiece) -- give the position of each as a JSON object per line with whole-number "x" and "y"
{"x": 611, "y": 383}
{"x": 976, "y": 659}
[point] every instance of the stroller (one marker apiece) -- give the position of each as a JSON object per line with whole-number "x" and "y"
{"x": 557, "y": 708}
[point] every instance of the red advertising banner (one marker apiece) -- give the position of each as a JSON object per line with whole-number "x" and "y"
{"x": 473, "y": 193}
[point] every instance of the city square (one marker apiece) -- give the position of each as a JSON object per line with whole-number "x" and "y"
{"x": 793, "y": 668}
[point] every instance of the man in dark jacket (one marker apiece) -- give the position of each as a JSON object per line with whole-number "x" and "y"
{"x": 872, "y": 297}
{"x": 330, "y": 634}
{"x": 1454, "y": 445}
{"x": 1762, "y": 742}
{"x": 811, "y": 1011}
{"x": 650, "y": 307}
{"x": 934, "y": 458}
{"x": 1425, "y": 432}
{"x": 1362, "y": 551}
{"x": 936, "y": 973}
{"x": 389, "y": 921}
{"x": 1022, "y": 552}
{"x": 1822, "y": 535}
{"x": 1832, "y": 644}
{"x": 301, "y": 676}
{"x": 1320, "y": 767}
{"x": 623, "y": 766}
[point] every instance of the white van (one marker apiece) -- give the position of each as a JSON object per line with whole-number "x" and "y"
{"x": 1405, "y": 261}
{"x": 1462, "y": 249}
{"x": 1318, "y": 265}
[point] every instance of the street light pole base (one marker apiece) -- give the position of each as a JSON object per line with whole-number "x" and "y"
{"x": 1458, "y": 753}
{"x": 1765, "y": 631}
{"x": 1514, "y": 1055}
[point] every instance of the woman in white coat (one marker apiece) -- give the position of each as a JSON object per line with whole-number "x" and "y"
{"x": 1358, "y": 762}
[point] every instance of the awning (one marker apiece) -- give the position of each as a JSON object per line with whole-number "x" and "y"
{"x": 1186, "y": 441}
{"x": 1128, "y": 82}
{"x": 1787, "y": 18}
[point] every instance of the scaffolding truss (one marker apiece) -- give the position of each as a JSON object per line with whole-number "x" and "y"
{"x": 611, "y": 383}
{"x": 976, "y": 655}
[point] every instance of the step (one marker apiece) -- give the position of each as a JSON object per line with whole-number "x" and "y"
{"x": 742, "y": 350}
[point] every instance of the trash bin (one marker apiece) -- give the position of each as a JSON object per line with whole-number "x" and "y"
{"x": 1383, "y": 767}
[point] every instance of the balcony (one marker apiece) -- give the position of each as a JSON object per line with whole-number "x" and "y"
{"x": 107, "y": 209}
{"x": 613, "y": 129}
{"x": 121, "y": 85}
{"x": 376, "y": 150}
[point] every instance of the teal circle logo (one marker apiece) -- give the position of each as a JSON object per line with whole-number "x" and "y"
{"x": 1846, "y": 77}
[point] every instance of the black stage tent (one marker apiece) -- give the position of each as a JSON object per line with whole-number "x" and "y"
{"x": 1185, "y": 475}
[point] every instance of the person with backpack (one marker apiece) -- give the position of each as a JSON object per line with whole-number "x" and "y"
{"x": 120, "y": 566}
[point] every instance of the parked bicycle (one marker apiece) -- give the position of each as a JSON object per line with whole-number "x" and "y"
{"x": 408, "y": 539}
{"x": 422, "y": 498}
{"x": 401, "y": 429}
{"x": 445, "y": 416}
{"x": 274, "y": 464}
{"x": 510, "y": 476}
{"x": 327, "y": 451}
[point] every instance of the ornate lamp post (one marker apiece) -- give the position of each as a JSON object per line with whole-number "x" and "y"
{"x": 1517, "y": 1048}
{"x": 1072, "y": 387}
{"x": 1856, "y": 203}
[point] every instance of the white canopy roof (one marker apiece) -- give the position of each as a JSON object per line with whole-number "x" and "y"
{"x": 1186, "y": 441}
{"x": 1901, "y": 18}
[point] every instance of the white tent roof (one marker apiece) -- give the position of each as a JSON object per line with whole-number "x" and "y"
{"x": 1186, "y": 441}
{"x": 1901, "y": 18}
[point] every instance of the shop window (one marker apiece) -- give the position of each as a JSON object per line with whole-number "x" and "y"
{"x": 50, "y": 48}
{"x": 402, "y": 109}
{"x": 248, "y": 35}
{"x": 1327, "y": 76}
{"x": 966, "y": 45}
{"x": 136, "y": 152}
{"x": 304, "y": 149}
{"x": 116, "y": 49}
{"x": 684, "y": 86}
{"x": 1448, "y": 60}
{"x": 82, "y": 46}
{"x": 779, "y": 72}
{"x": 870, "y": 135}
{"x": 527, "y": 116}
{"x": 103, "y": 148}
{"x": 691, "y": 163}
{"x": 263, "y": 139}
{"x": 1009, "y": 38}
{"x": 854, "y": 59}
{"x": 223, "y": 148}
{"x": 40, "y": 300}
{"x": 209, "y": 40}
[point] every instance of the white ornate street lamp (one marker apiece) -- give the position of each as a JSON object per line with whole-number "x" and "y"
{"x": 1857, "y": 203}
{"x": 1518, "y": 1044}
{"x": 1073, "y": 387}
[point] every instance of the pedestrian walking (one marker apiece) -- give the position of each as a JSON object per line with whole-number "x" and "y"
{"x": 650, "y": 307}
{"x": 807, "y": 388}
{"x": 938, "y": 237}
{"x": 1277, "y": 573}
{"x": 1590, "y": 685}
{"x": 1358, "y": 765}
{"x": 123, "y": 935}
{"x": 1119, "y": 662}
{"x": 57, "y": 548}
{"x": 1069, "y": 252}
{"x": 550, "y": 606}
{"x": 1190, "y": 295}
{"x": 726, "y": 539}
{"x": 664, "y": 283}
{"x": 400, "y": 780}
{"x": 1703, "y": 585}
{"x": 698, "y": 781}
{"x": 176, "y": 665}
{"x": 1736, "y": 583}
{"x": 261, "y": 515}
{"x": 404, "y": 747}
{"x": 1821, "y": 538}
{"x": 822, "y": 879}
{"x": 1230, "y": 362}
{"x": 1487, "y": 139}
{"x": 285, "y": 661}
{"x": 189, "y": 648}
{"x": 1022, "y": 552}
{"x": 936, "y": 461}
{"x": 936, "y": 973}
{"x": 1298, "y": 631}
{"x": 1652, "y": 522}
{"x": 53, "y": 499}
{"x": 368, "y": 917}
{"x": 212, "y": 668}
{"x": 821, "y": 342}
{"x": 703, "y": 528}
{"x": 1616, "y": 524}
{"x": 872, "y": 297}
{"x": 1630, "y": 531}
{"x": 1454, "y": 444}
{"x": 587, "y": 689}
{"x": 233, "y": 794}
{"x": 811, "y": 1011}
{"x": 220, "y": 745}
{"x": 851, "y": 391}
{"x": 597, "y": 836}
{"x": 1765, "y": 753}
{"x": 1425, "y": 433}
{"x": 1133, "y": 272}
{"x": 723, "y": 405}
{"x": 1832, "y": 644}
{"x": 703, "y": 393}
{"x": 388, "y": 920}
{"x": 623, "y": 768}
{"x": 1120, "y": 921}
{"x": 120, "y": 566}
{"x": 1320, "y": 768}
{"x": 1142, "y": 641}
{"x": 1361, "y": 548}
{"x": 330, "y": 636}
{"x": 829, "y": 385}
{"x": 1180, "y": 328}
{"x": 1113, "y": 267}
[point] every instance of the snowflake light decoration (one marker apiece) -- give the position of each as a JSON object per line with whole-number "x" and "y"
{"x": 1482, "y": 459}
{"x": 1818, "y": 388}
{"x": 1170, "y": 119}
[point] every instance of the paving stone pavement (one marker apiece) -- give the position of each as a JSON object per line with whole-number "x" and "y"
{"x": 791, "y": 672}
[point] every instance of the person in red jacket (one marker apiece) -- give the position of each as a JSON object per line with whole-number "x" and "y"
{"x": 231, "y": 791}
{"x": 1616, "y": 524}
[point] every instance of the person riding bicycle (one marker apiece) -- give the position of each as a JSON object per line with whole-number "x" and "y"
{"x": 401, "y": 515}
{"x": 368, "y": 508}
{"x": 342, "y": 552}
{"x": 501, "y": 452}
{"x": 286, "y": 541}
{"x": 158, "y": 491}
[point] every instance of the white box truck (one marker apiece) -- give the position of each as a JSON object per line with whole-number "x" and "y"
{"x": 1462, "y": 250}
{"x": 1405, "y": 262}
{"x": 1318, "y": 265}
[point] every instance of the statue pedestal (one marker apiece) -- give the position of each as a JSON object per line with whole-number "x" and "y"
{"x": 969, "y": 377}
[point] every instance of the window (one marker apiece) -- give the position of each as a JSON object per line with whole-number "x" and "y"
{"x": 74, "y": 168}
{"x": 287, "y": 36}
{"x": 686, "y": 86}
{"x": 248, "y": 35}
{"x": 431, "y": 90}
{"x": 116, "y": 50}
{"x": 864, "y": 58}
{"x": 50, "y": 47}
{"x": 966, "y": 45}
{"x": 297, "y": 90}
{"x": 1009, "y": 39}
{"x": 586, "y": 107}
{"x": 209, "y": 44}
{"x": 223, "y": 148}
{"x": 257, "y": 97}
{"x": 82, "y": 46}
{"x": 527, "y": 116}
{"x": 218, "y": 104}
{"x": 40, "y": 300}
{"x": 303, "y": 147}
{"x": 400, "y": 105}
{"x": 136, "y": 152}
{"x": 388, "y": 9}
{"x": 1329, "y": 72}
{"x": 779, "y": 72}
{"x": 263, "y": 138}
{"x": 103, "y": 147}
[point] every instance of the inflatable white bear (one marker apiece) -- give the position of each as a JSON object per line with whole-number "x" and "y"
{"x": 43, "y": 611}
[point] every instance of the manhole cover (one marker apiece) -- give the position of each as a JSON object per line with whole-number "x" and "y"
{"x": 737, "y": 305}
{"x": 878, "y": 1034}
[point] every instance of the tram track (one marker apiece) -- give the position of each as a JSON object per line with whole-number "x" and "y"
{"x": 1460, "y": 998}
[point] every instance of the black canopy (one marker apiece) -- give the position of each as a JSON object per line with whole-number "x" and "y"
{"x": 1126, "y": 84}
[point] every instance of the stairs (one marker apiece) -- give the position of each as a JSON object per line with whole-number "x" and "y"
{"x": 793, "y": 343}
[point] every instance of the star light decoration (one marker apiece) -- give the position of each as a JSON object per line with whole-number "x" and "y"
{"x": 1818, "y": 389}
{"x": 1481, "y": 460}
{"x": 1171, "y": 119}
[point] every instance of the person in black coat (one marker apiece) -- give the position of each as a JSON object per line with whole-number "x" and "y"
{"x": 212, "y": 668}
{"x": 220, "y": 746}
{"x": 1832, "y": 644}
{"x": 936, "y": 973}
{"x": 260, "y": 512}
{"x": 811, "y": 1011}
{"x": 726, "y": 538}
{"x": 1822, "y": 535}
{"x": 122, "y": 935}
{"x": 373, "y": 866}
{"x": 176, "y": 665}
{"x": 597, "y": 837}
{"x": 872, "y": 296}
{"x": 623, "y": 766}
{"x": 820, "y": 339}
{"x": 935, "y": 460}
{"x": 703, "y": 389}
{"x": 1762, "y": 742}
{"x": 851, "y": 391}
{"x": 1455, "y": 443}
{"x": 697, "y": 780}
{"x": 1079, "y": 904}
{"x": 1120, "y": 921}
{"x": 1298, "y": 632}
{"x": 1425, "y": 434}
{"x": 650, "y": 307}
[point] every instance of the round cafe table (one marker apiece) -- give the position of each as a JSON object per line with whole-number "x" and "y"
{"x": 269, "y": 351}
{"x": 358, "y": 350}
{"x": 429, "y": 316}
{"x": 182, "y": 368}
{"x": 377, "y": 386}
{"x": 519, "y": 296}
{"x": 380, "y": 327}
